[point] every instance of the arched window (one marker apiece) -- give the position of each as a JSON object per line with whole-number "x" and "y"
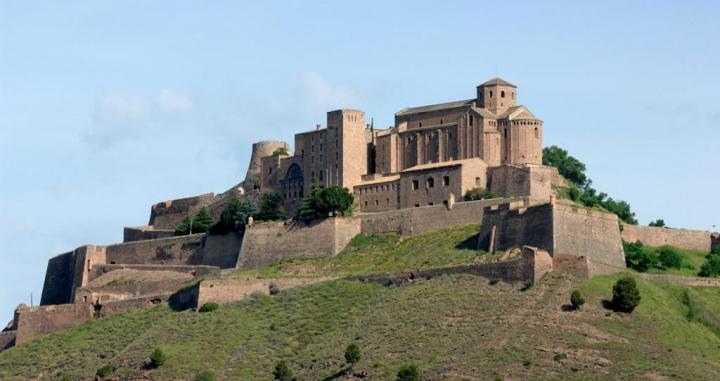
{"x": 502, "y": 94}
{"x": 490, "y": 93}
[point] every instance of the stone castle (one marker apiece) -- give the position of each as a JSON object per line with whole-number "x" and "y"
{"x": 406, "y": 180}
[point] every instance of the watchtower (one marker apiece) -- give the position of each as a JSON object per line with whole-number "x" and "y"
{"x": 496, "y": 95}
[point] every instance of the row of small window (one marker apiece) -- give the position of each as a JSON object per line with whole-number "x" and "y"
{"x": 377, "y": 202}
{"x": 502, "y": 94}
{"x": 378, "y": 188}
{"x": 430, "y": 182}
{"x": 432, "y": 203}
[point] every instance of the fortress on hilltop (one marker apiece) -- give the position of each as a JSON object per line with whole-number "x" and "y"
{"x": 407, "y": 180}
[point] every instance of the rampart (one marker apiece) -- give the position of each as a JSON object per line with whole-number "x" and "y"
{"x": 532, "y": 265}
{"x": 562, "y": 230}
{"x": 412, "y": 221}
{"x": 167, "y": 215}
{"x": 656, "y": 236}
{"x": 224, "y": 291}
{"x": 35, "y": 321}
{"x": 140, "y": 233}
{"x": 267, "y": 243}
{"x": 66, "y": 272}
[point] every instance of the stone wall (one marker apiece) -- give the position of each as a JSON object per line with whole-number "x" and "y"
{"x": 35, "y": 321}
{"x": 532, "y": 181}
{"x": 224, "y": 291}
{"x": 221, "y": 250}
{"x": 267, "y": 243}
{"x": 7, "y": 339}
{"x": 419, "y": 220}
{"x": 655, "y": 236}
{"x": 139, "y": 233}
{"x": 59, "y": 275}
{"x": 120, "y": 306}
{"x": 181, "y": 250}
{"x": 167, "y": 215}
{"x": 196, "y": 271}
{"x": 128, "y": 284}
{"x": 562, "y": 230}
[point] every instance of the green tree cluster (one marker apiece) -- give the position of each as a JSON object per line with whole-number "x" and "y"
{"x": 202, "y": 223}
{"x": 643, "y": 258}
{"x": 660, "y": 223}
{"x": 234, "y": 216}
{"x": 271, "y": 207}
{"x": 580, "y": 188}
{"x": 711, "y": 267}
{"x": 324, "y": 202}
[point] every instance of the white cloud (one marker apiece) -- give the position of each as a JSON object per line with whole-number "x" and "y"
{"x": 119, "y": 117}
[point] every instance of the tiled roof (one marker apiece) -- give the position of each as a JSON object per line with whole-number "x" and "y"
{"x": 440, "y": 106}
{"x": 497, "y": 82}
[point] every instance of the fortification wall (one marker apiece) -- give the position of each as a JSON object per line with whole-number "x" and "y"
{"x": 654, "y": 236}
{"x": 224, "y": 291}
{"x": 140, "y": 233}
{"x": 167, "y": 215}
{"x": 120, "y": 306}
{"x": 586, "y": 232}
{"x": 221, "y": 250}
{"x": 259, "y": 151}
{"x": 532, "y": 181}
{"x": 35, "y": 321}
{"x": 196, "y": 271}
{"x": 58, "y": 285}
{"x": 504, "y": 228}
{"x": 181, "y": 250}
{"x": 419, "y": 220}
{"x": 7, "y": 339}
{"x": 272, "y": 242}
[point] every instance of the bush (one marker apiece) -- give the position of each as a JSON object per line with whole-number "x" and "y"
{"x": 626, "y": 295}
{"x": 202, "y": 221}
{"x": 559, "y": 356}
{"x": 640, "y": 258}
{"x": 274, "y": 289}
{"x": 478, "y": 194}
{"x": 184, "y": 227}
{"x": 711, "y": 267}
{"x": 715, "y": 250}
{"x": 670, "y": 258}
{"x": 206, "y": 376}
{"x": 157, "y": 358}
{"x": 660, "y": 223}
{"x": 352, "y": 354}
{"x": 576, "y": 299}
{"x": 105, "y": 371}
{"x": 208, "y": 307}
{"x": 408, "y": 373}
{"x": 282, "y": 372}
{"x": 271, "y": 207}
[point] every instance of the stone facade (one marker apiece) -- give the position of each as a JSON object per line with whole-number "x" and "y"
{"x": 561, "y": 229}
{"x": 656, "y": 236}
{"x": 469, "y": 142}
{"x": 35, "y": 321}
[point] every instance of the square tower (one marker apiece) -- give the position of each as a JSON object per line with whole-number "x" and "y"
{"x": 347, "y": 147}
{"x": 496, "y": 95}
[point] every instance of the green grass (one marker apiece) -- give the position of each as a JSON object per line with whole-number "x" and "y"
{"x": 368, "y": 254}
{"x": 453, "y": 327}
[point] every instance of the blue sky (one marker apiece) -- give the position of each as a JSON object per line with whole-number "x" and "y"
{"x": 108, "y": 107}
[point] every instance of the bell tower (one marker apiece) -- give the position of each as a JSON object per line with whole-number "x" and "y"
{"x": 496, "y": 95}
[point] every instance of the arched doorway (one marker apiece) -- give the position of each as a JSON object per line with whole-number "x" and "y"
{"x": 293, "y": 188}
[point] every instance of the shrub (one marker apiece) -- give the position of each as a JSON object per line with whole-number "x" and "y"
{"x": 208, "y": 307}
{"x": 493, "y": 281}
{"x": 408, "y": 373}
{"x": 274, "y": 289}
{"x": 478, "y": 194}
{"x": 526, "y": 285}
{"x": 282, "y": 372}
{"x": 157, "y": 358}
{"x": 184, "y": 227}
{"x": 206, "y": 376}
{"x": 670, "y": 258}
{"x": 352, "y": 354}
{"x": 559, "y": 356}
{"x": 715, "y": 250}
{"x": 576, "y": 299}
{"x": 626, "y": 295}
{"x": 271, "y": 207}
{"x": 660, "y": 223}
{"x": 105, "y": 371}
{"x": 638, "y": 257}
{"x": 711, "y": 267}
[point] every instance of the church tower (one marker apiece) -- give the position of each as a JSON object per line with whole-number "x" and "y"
{"x": 496, "y": 95}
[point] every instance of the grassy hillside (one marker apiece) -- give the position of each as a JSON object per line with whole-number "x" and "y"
{"x": 388, "y": 253}
{"x": 453, "y": 328}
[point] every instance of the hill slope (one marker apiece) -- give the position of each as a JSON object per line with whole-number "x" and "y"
{"x": 453, "y": 328}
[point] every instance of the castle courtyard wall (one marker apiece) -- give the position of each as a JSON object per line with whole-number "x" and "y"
{"x": 267, "y": 243}
{"x": 36, "y": 321}
{"x": 658, "y": 236}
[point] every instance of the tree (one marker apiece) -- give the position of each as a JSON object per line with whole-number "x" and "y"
{"x": 660, "y": 223}
{"x": 640, "y": 258}
{"x": 324, "y": 202}
{"x": 281, "y": 151}
{"x": 282, "y": 372}
{"x": 568, "y": 166}
{"x": 352, "y": 354}
{"x": 626, "y": 295}
{"x": 202, "y": 221}
{"x": 408, "y": 373}
{"x": 711, "y": 267}
{"x": 184, "y": 227}
{"x": 271, "y": 207}
{"x": 157, "y": 358}
{"x": 576, "y": 299}
{"x": 234, "y": 215}
{"x": 670, "y": 258}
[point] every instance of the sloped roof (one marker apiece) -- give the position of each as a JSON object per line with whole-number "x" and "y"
{"x": 441, "y": 164}
{"x": 436, "y": 107}
{"x": 497, "y": 82}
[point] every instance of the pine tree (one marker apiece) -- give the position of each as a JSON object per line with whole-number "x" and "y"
{"x": 202, "y": 222}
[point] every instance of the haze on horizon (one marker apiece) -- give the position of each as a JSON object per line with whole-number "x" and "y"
{"x": 109, "y": 107}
